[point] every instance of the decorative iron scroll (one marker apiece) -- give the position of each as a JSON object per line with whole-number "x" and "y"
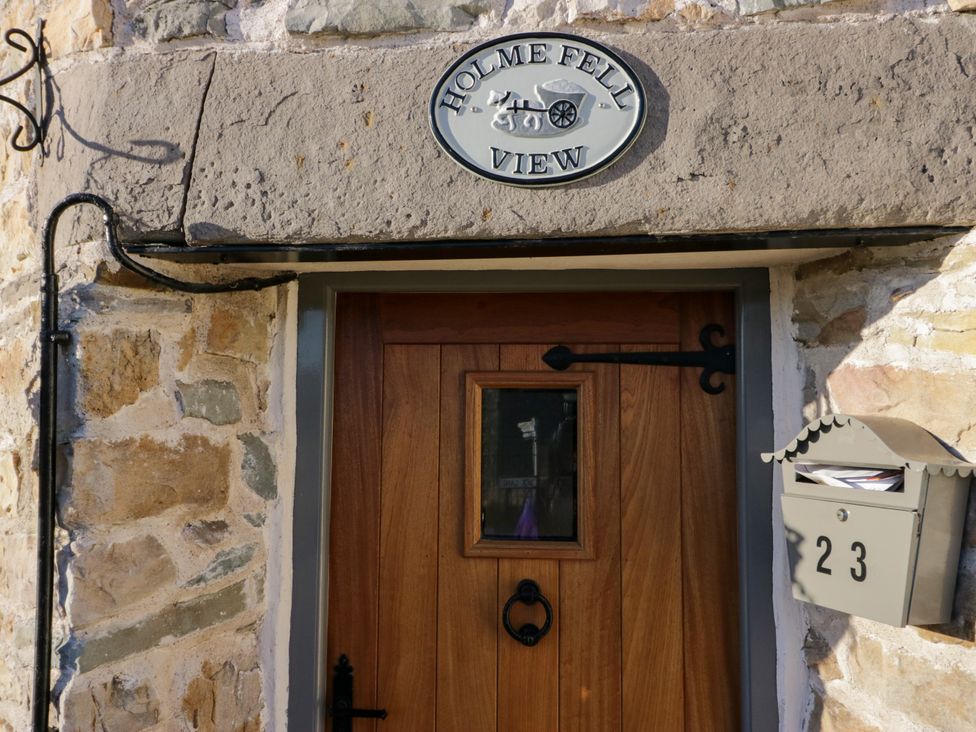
{"x": 35, "y": 50}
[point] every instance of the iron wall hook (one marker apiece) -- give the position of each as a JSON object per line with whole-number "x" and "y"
{"x": 34, "y": 47}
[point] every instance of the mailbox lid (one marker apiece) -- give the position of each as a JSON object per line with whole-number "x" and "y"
{"x": 863, "y": 565}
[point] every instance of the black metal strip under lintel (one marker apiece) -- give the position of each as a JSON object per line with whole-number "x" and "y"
{"x": 249, "y": 253}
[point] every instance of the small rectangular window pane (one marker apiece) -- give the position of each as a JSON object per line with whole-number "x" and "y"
{"x": 528, "y": 464}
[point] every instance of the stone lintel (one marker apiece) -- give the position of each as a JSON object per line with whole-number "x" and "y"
{"x": 779, "y": 127}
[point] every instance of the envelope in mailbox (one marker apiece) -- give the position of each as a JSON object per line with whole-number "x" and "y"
{"x": 843, "y": 476}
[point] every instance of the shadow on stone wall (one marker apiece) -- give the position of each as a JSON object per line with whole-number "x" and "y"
{"x": 658, "y": 104}
{"x": 864, "y": 325}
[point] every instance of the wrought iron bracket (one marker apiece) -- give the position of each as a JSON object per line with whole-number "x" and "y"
{"x": 34, "y": 48}
{"x": 711, "y": 359}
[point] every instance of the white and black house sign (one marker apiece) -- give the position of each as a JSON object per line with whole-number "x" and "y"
{"x": 537, "y": 108}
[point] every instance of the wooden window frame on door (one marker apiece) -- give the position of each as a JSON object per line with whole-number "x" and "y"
{"x": 308, "y": 673}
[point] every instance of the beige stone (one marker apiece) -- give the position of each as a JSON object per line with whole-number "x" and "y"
{"x": 116, "y": 368}
{"x": 115, "y": 482}
{"x": 9, "y": 483}
{"x": 17, "y": 565}
{"x": 78, "y": 25}
{"x": 963, "y": 344}
{"x": 830, "y": 715}
{"x": 931, "y": 692}
{"x": 106, "y": 578}
{"x": 121, "y": 703}
{"x": 963, "y": 5}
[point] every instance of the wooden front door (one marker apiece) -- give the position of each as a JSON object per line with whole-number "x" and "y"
{"x": 645, "y": 632}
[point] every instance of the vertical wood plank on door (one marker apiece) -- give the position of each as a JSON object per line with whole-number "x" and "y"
{"x": 356, "y": 459}
{"x": 408, "y": 537}
{"x": 467, "y": 587}
{"x": 589, "y": 590}
{"x": 650, "y": 429}
{"x": 528, "y": 678}
{"x": 710, "y": 549}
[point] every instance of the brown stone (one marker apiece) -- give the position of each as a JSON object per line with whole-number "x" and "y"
{"x": 936, "y": 401}
{"x": 844, "y": 329}
{"x": 186, "y": 346}
{"x": 106, "y": 578}
{"x": 116, "y": 368}
{"x": 113, "y": 482}
{"x": 239, "y": 332}
{"x": 224, "y": 697}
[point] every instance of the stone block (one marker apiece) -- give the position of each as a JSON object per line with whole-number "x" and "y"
{"x": 830, "y": 715}
{"x": 109, "y": 577}
{"x": 843, "y": 329}
{"x": 963, "y": 5}
{"x": 226, "y": 562}
{"x": 122, "y": 703}
{"x": 206, "y": 533}
{"x": 932, "y": 399}
{"x": 125, "y": 129}
{"x": 9, "y": 483}
{"x": 17, "y": 565}
{"x": 167, "y": 20}
{"x": 330, "y": 176}
{"x": 78, "y": 25}
{"x": 240, "y": 331}
{"x": 174, "y": 621}
{"x": 754, "y": 7}
{"x": 258, "y": 467}
{"x": 372, "y": 17}
{"x": 113, "y": 482}
{"x": 224, "y": 697}
{"x": 215, "y": 401}
{"x": 116, "y": 367}
{"x": 820, "y": 656}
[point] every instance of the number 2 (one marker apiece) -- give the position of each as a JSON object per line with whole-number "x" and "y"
{"x": 825, "y": 542}
{"x": 861, "y": 573}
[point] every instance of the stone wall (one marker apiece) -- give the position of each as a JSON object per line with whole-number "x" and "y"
{"x": 176, "y": 433}
{"x": 893, "y": 332}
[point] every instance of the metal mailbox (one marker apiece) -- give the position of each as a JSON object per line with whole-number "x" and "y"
{"x": 889, "y": 555}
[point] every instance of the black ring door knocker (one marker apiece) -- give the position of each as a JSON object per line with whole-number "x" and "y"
{"x": 528, "y": 593}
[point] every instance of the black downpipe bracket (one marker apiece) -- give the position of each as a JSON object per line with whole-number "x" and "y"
{"x": 52, "y": 340}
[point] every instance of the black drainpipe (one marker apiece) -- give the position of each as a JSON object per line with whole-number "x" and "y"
{"x": 52, "y": 339}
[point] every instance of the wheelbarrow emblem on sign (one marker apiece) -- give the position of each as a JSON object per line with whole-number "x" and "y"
{"x": 559, "y": 110}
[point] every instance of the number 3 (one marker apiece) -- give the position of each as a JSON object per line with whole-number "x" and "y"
{"x": 861, "y": 573}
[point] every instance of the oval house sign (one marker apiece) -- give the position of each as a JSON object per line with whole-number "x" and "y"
{"x": 537, "y": 109}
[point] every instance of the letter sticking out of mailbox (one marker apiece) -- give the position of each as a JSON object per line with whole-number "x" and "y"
{"x": 864, "y": 539}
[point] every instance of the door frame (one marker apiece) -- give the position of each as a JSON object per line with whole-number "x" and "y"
{"x": 307, "y": 669}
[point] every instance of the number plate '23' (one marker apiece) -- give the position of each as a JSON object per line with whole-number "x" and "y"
{"x": 859, "y": 569}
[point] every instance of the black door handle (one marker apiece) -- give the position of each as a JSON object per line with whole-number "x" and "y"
{"x": 342, "y": 711}
{"x": 529, "y": 634}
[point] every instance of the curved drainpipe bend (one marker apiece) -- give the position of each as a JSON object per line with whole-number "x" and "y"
{"x": 52, "y": 339}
